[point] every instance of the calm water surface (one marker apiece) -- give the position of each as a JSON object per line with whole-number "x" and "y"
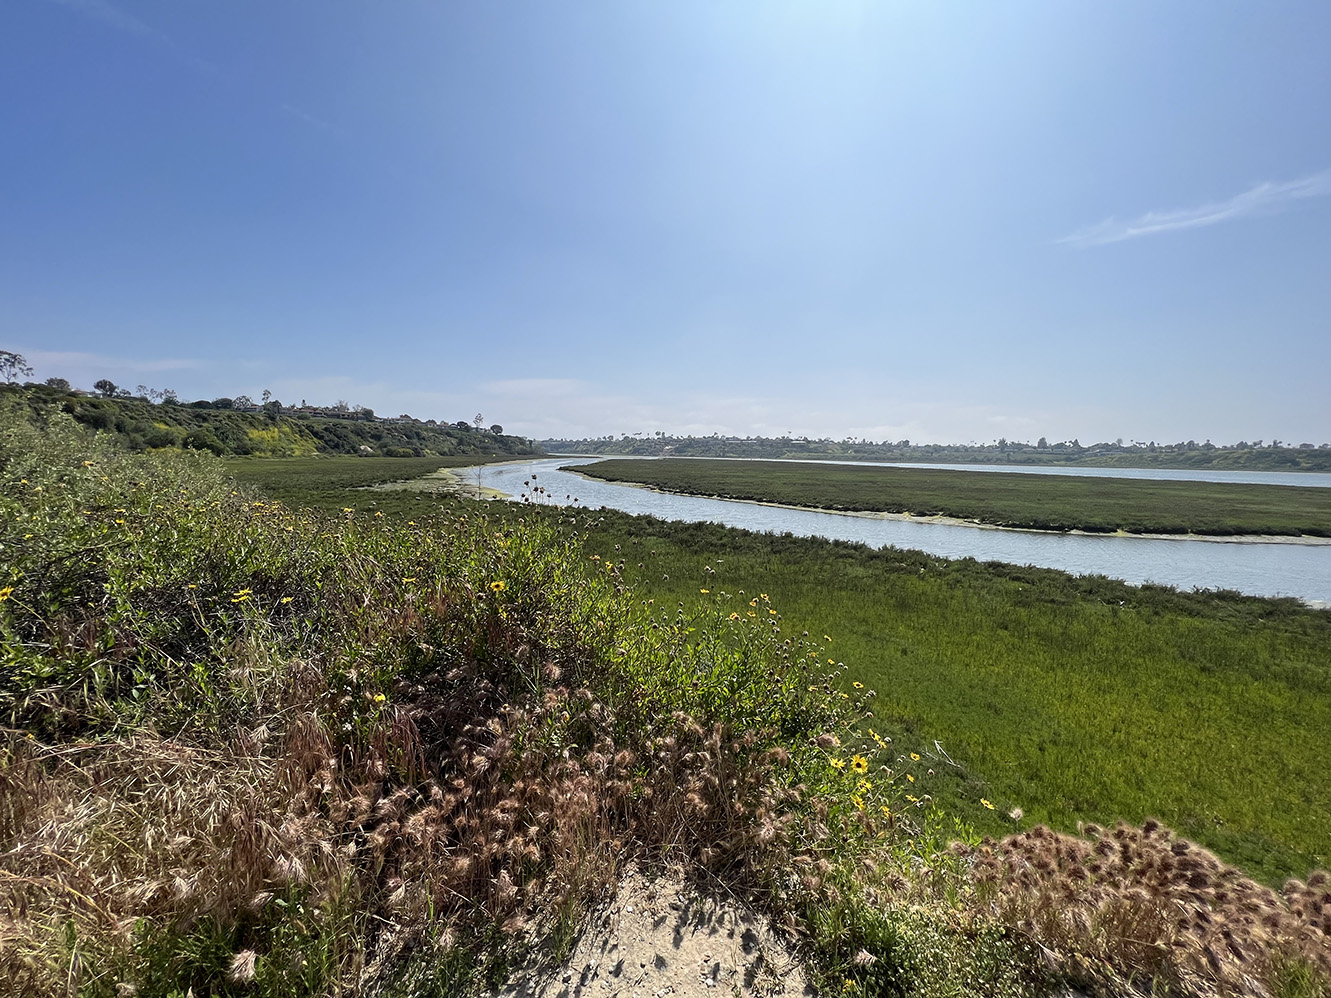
{"x": 1260, "y": 569}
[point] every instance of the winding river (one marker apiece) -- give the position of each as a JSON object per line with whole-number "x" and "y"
{"x": 1259, "y": 567}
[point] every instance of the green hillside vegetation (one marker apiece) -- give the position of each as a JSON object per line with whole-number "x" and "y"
{"x": 1039, "y": 502}
{"x": 249, "y": 748}
{"x": 1241, "y": 456}
{"x": 277, "y": 432}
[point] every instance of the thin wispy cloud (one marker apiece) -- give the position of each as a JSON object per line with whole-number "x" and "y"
{"x": 113, "y": 16}
{"x": 314, "y": 121}
{"x": 60, "y": 362}
{"x": 109, "y": 14}
{"x": 1265, "y": 198}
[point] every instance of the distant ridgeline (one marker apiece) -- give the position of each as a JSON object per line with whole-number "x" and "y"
{"x": 1243, "y": 456}
{"x": 239, "y": 427}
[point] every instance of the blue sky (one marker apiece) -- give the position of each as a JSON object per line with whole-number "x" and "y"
{"x": 945, "y": 222}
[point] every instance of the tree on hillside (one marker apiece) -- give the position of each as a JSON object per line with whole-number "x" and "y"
{"x": 479, "y": 420}
{"x": 142, "y": 391}
{"x": 59, "y": 384}
{"x": 13, "y": 366}
{"x": 106, "y": 386}
{"x": 497, "y": 430}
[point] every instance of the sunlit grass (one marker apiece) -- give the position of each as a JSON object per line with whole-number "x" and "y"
{"x": 1074, "y": 700}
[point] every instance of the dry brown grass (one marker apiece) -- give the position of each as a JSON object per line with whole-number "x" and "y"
{"x": 1138, "y": 905}
{"x": 454, "y": 813}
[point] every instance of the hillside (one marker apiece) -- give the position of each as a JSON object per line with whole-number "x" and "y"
{"x": 271, "y": 431}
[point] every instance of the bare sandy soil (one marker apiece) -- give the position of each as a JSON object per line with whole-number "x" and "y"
{"x": 662, "y": 937}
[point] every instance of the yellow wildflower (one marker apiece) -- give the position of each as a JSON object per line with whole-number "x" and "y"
{"x": 911, "y": 778}
{"x": 242, "y": 592}
{"x": 986, "y": 804}
{"x": 286, "y": 599}
{"x": 858, "y": 801}
{"x": 915, "y": 756}
{"x": 704, "y": 591}
{"x": 410, "y": 578}
{"x": 379, "y": 698}
{"x": 859, "y": 764}
{"x": 498, "y": 586}
{"x": 5, "y": 592}
{"x": 837, "y": 764}
{"x": 858, "y": 685}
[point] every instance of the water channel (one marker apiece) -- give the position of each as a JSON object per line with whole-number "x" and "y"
{"x": 1275, "y": 567}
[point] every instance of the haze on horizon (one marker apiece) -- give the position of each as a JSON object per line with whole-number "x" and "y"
{"x": 907, "y": 220}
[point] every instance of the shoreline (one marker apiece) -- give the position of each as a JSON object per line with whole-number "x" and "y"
{"x": 1304, "y": 540}
{"x": 444, "y": 480}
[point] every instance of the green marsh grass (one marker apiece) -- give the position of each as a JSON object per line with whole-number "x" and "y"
{"x": 1073, "y": 699}
{"x": 1040, "y": 502}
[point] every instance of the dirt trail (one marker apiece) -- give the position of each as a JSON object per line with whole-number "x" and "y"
{"x": 661, "y": 938}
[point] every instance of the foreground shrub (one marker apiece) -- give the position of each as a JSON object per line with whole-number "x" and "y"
{"x": 248, "y": 746}
{"x": 1140, "y": 905}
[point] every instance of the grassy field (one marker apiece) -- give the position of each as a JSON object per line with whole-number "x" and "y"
{"x": 1041, "y": 502}
{"x": 338, "y": 482}
{"x": 1075, "y": 699}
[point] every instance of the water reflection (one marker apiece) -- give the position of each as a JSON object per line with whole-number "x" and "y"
{"x": 1261, "y": 568}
